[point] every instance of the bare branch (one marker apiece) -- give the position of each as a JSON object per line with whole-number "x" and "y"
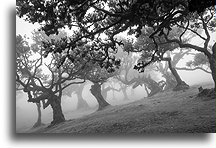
{"x": 206, "y": 32}
{"x": 186, "y": 28}
{"x": 84, "y": 80}
{"x": 192, "y": 69}
{"x": 166, "y": 22}
{"x": 187, "y": 45}
{"x": 191, "y": 31}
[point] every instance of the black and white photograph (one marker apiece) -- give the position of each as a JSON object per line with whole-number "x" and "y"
{"x": 115, "y": 67}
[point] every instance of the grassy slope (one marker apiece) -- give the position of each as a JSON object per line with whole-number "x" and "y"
{"x": 167, "y": 112}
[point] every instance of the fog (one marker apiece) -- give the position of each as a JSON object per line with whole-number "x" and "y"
{"x": 26, "y": 113}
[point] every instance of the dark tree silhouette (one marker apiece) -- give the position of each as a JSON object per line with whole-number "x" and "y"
{"x": 48, "y": 91}
{"x": 119, "y": 14}
{"x": 150, "y": 54}
{"x": 98, "y": 76}
{"x": 113, "y": 17}
{"x": 202, "y": 21}
{"x": 170, "y": 81}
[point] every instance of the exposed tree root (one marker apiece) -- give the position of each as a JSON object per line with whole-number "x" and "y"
{"x": 182, "y": 86}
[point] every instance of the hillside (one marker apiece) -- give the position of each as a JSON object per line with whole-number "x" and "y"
{"x": 166, "y": 112}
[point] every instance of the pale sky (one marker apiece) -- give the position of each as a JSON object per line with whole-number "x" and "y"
{"x": 25, "y": 28}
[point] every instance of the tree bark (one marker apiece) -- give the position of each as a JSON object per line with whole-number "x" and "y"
{"x": 212, "y": 62}
{"x": 170, "y": 81}
{"x": 153, "y": 86}
{"x": 58, "y": 116}
{"x": 181, "y": 85}
{"x": 96, "y": 92}
{"x": 212, "y": 67}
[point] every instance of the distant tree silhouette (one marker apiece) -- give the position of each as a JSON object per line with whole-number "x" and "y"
{"x": 77, "y": 89}
{"x": 106, "y": 87}
{"x": 128, "y": 60}
{"x": 126, "y": 68}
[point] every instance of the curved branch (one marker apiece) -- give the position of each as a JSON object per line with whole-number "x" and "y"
{"x": 192, "y": 69}
{"x": 165, "y": 22}
{"x": 84, "y": 80}
{"x": 191, "y": 31}
{"x": 206, "y": 32}
{"x": 186, "y": 28}
{"x": 52, "y": 73}
{"x": 187, "y": 45}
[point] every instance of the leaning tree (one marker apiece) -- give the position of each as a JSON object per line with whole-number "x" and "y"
{"x": 128, "y": 77}
{"x": 22, "y": 58}
{"x": 150, "y": 54}
{"x": 89, "y": 19}
{"x": 94, "y": 57}
{"x": 98, "y": 75}
{"x": 77, "y": 89}
{"x": 205, "y": 21}
{"x": 48, "y": 89}
{"x": 109, "y": 86}
{"x": 125, "y": 70}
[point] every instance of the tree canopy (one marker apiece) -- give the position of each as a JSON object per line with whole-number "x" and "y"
{"x": 89, "y": 19}
{"x": 95, "y": 24}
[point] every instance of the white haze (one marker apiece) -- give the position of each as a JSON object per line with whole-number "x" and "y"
{"x": 26, "y": 113}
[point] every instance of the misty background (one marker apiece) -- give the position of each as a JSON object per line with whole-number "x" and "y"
{"x": 26, "y": 112}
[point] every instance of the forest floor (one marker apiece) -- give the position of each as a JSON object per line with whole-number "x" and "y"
{"x": 166, "y": 112}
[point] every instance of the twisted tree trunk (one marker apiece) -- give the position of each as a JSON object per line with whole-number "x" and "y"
{"x": 153, "y": 86}
{"x": 96, "y": 92}
{"x": 212, "y": 62}
{"x": 58, "y": 116}
{"x": 212, "y": 67}
{"x": 149, "y": 83}
{"x": 170, "y": 81}
{"x": 181, "y": 85}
